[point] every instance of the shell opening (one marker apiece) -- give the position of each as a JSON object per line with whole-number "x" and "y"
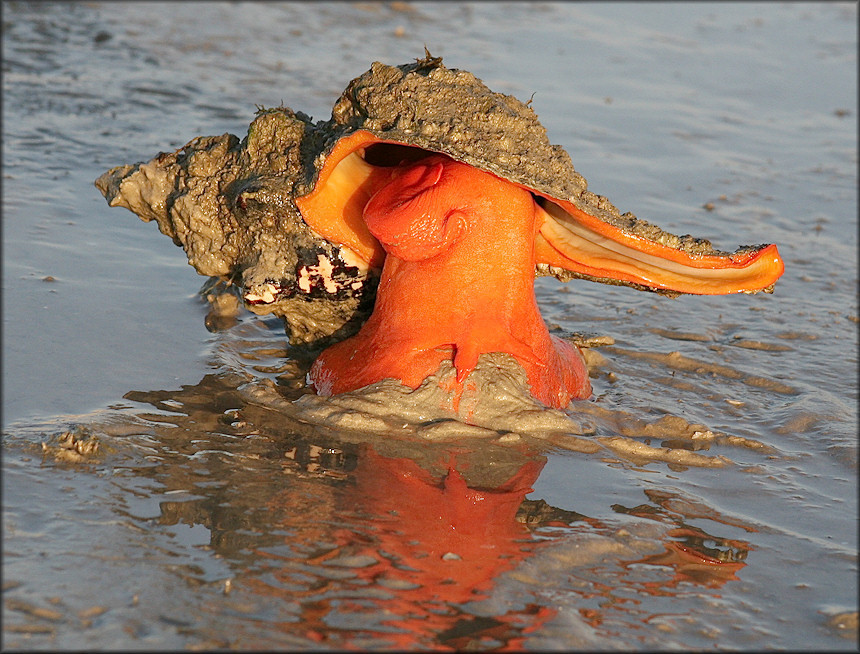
{"x": 388, "y": 155}
{"x": 569, "y": 238}
{"x": 353, "y": 171}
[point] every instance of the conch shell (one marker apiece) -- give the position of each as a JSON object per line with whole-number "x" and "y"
{"x": 279, "y": 213}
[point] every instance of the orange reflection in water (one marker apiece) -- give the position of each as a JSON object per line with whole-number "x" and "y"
{"x": 692, "y": 559}
{"x": 450, "y": 539}
{"x": 424, "y": 545}
{"x": 694, "y": 555}
{"x": 695, "y": 560}
{"x": 431, "y": 543}
{"x": 351, "y": 546}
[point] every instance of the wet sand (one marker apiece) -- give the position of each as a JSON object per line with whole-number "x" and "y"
{"x": 706, "y": 495}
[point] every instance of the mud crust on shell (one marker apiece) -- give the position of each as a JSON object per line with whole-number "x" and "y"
{"x": 229, "y": 205}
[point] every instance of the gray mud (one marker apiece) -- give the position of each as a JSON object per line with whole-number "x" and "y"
{"x": 169, "y": 482}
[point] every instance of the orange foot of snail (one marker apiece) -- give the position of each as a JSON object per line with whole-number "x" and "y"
{"x": 457, "y": 282}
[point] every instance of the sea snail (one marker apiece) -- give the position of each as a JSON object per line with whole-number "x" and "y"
{"x": 442, "y": 196}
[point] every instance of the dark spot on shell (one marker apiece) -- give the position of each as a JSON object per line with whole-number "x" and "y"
{"x": 341, "y": 282}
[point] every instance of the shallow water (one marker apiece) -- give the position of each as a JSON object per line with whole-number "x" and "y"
{"x": 213, "y": 516}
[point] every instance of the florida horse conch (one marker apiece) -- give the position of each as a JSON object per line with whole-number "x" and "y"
{"x": 407, "y": 230}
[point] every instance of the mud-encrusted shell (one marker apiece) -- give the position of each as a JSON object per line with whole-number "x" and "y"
{"x": 426, "y": 105}
{"x": 231, "y": 204}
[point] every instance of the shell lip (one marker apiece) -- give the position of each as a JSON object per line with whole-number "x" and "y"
{"x": 352, "y": 171}
{"x": 571, "y": 243}
{"x": 576, "y": 241}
